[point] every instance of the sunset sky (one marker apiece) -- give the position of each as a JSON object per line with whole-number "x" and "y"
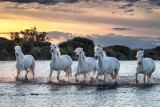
{"x": 129, "y": 18}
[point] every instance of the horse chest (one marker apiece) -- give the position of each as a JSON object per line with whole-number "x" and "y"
{"x": 55, "y": 66}
{"x": 20, "y": 65}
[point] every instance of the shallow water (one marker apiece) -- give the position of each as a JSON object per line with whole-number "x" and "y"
{"x": 37, "y": 93}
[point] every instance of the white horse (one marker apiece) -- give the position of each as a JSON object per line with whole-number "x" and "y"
{"x": 60, "y": 62}
{"x": 85, "y": 64}
{"x": 24, "y": 62}
{"x": 145, "y": 66}
{"x": 106, "y": 65}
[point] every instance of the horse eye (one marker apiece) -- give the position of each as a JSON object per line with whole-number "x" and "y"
{"x": 99, "y": 52}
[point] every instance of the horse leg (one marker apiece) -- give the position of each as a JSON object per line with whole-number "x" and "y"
{"x": 70, "y": 72}
{"x": 113, "y": 75}
{"x": 149, "y": 76}
{"x": 144, "y": 79}
{"x": 105, "y": 76}
{"x": 136, "y": 78}
{"x": 93, "y": 74}
{"x": 97, "y": 77}
{"x": 27, "y": 71}
{"x": 85, "y": 76}
{"x": 67, "y": 73}
{"x": 18, "y": 72}
{"x": 76, "y": 77}
{"x": 33, "y": 73}
{"x": 50, "y": 75}
{"x": 58, "y": 75}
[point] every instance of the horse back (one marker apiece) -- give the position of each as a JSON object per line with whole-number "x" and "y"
{"x": 91, "y": 62}
{"x": 65, "y": 60}
{"x": 149, "y": 63}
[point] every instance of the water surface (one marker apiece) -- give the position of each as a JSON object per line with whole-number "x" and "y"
{"x": 37, "y": 93}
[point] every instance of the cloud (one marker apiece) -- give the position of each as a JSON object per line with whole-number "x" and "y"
{"x": 113, "y": 39}
{"x": 122, "y": 29}
{"x": 58, "y": 35}
{"x": 88, "y": 15}
{"x": 125, "y": 6}
{"x": 42, "y": 1}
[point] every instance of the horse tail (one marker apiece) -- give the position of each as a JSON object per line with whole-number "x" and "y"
{"x": 154, "y": 67}
{"x": 117, "y": 66}
{"x": 69, "y": 68}
{"x": 69, "y": 59}
{"x": 32, "y": 68}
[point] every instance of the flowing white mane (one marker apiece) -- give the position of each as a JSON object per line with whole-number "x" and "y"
{"x": 80, "y": 50}
{"x": 57, "y": 49}
{"x": 98, "y": 48}
{"x": 18, "y": 47}
{"x": 140, "y": 53}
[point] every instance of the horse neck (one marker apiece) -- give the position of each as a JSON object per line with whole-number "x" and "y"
{"x": 81, "y": 59}
{"x": 100, "y": 63}
{"x": 20, "y": 56}
{"x": 55, "y": 57}
{"x": 142, "y": 62}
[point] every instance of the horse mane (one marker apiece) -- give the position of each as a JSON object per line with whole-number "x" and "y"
{"x": 99, "y": 48}
{"x": 104, "y": 54}
{"x": 20, "y": 49}
{"x": 139, "y": 52}
{"x": 58, "y": 52}
{"x": 83, "y": 54}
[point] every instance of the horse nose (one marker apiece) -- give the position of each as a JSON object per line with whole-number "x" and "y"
{"x": 96, "y": 57}
{"x": 139, "y": 63}
{"x": 16, "y": 54}
{"x": 51, "y": 51}
{"x": 77, "y": 55}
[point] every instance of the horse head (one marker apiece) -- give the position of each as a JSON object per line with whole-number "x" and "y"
{"x": 79, "y": 52}
{"x": 54, "y": 49}
{"x": 17, "y": 50}
{"x": 99, "y": 52}
{"x": 139, "y": 56}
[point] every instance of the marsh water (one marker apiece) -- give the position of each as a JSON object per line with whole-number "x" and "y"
{"x": 38, "y": 93}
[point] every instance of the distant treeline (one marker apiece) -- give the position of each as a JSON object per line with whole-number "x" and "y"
{"x": 35, "y": 43}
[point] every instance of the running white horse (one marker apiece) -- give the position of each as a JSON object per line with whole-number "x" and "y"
{"x": 145, "y": 66}
{"x": 60, "y": 62}
{"x": 106, "y": 65}
{"x": 24, "y": 62}
{"x": 85, "y": 64}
